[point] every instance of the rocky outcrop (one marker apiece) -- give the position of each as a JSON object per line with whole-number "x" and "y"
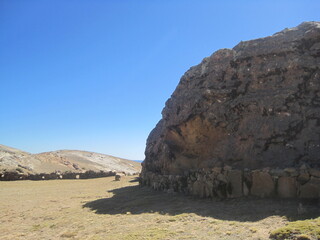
{"x": 252, "y": 107}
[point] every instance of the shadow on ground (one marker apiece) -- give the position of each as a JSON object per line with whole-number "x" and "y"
{"x": 137, "y": 200}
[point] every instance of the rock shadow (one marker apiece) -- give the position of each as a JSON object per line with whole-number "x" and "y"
{"x": 138, "y": 200}
{"x": 136, "y": 179}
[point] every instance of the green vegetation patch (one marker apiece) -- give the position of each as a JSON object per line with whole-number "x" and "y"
{"x": 301, "y": 230}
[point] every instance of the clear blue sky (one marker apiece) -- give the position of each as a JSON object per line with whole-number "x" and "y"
{"x": 95, "y": 74}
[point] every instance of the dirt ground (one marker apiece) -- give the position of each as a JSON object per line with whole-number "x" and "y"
{"x": 107, "y": 209}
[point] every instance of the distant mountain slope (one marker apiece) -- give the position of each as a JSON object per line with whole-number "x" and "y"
{"x": 63, "y": 160}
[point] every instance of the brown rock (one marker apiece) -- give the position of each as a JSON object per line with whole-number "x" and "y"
{"x": 287, "y": 187}
{"x": 304, "y": 167}
{"x": 311, "y": 189}
{"x": 227, "y": 168}
{"x": 303, "y": 178}
{"x": 314, "y": 172}
{"x": 208, "y": 189}
{"x": 278, "y": 172}
{"x": 216, "y": 170}
{"x": 262, "y": 184}
{"x": 222, "y": 178}
{"x": 292, "y": 172}
{"x": 197, "y": 189}
{"x": 117, "y": 177}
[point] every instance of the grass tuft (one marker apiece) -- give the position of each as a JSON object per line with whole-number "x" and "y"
{"x": 68, "y": 235}
{"x": 302, "y": 230}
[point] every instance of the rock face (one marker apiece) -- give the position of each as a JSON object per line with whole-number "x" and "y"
{"x": 252, "y": 107}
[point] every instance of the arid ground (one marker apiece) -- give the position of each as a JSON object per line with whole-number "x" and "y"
{"x": 107, "y": 209}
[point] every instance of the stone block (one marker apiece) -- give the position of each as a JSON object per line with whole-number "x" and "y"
{"x": 303, "y": 178}
{"x": 287, "y": 187}
{"x": 262, "y": 184}
{"x": 227, "y": 168}
{"x": 278, "y": 172}
{"x": 292, "y": 172}
{"x": 222, "y": 178}
{"x": 208, "y": 189}
{"x": 198, "y": 189}
{"x": 217, "y": 170}
{"x": 311, "y": 189}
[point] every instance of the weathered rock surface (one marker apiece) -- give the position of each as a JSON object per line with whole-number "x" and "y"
{"x": 287, "y": 187}
{"x": 311, "y": 189}
{"x": 255, "y": 106}
{"x": 262, "y": 184}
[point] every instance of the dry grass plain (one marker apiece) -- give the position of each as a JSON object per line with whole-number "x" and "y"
{"x": 107, "y": 209}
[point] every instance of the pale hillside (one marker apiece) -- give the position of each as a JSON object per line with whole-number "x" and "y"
{"x": 63, "y": 160}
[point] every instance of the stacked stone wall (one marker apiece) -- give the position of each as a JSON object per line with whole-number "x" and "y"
{"x": 14, "y": 175}
{"x": 233, "y": 183}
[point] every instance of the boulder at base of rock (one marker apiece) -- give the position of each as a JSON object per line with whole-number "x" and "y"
{"x": 311, "y": 189}
{"x": 262, "y": 184}
{"x": 287, "y": 187}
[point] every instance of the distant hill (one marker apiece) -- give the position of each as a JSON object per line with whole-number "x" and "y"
{"x": 12, "y": 159}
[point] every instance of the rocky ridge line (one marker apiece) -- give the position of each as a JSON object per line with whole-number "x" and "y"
{"x": 64, "y": 164}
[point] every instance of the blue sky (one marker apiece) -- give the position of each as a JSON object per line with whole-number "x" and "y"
{"x": 94, "y": 75}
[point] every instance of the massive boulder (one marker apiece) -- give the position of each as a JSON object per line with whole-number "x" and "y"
{"x": 252, "y": 107}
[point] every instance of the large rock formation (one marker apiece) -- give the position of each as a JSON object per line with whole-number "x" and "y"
{"x": 252, "y": 107}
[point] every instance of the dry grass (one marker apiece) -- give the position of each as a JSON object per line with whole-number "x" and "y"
{"x": 107, "y": 209}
